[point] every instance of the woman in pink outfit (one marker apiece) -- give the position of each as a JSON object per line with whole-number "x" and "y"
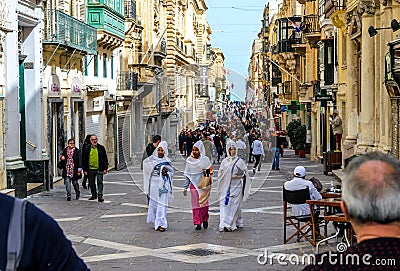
{"x": 197, "y": 166}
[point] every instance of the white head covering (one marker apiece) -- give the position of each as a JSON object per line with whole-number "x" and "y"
{"x": 199, "y": 144}
{"x": 154, "y": 157}
{"x": 194, "y": 167}
{"x": 153, "y": 160}
{"x": 231, "y": 144}
{"x": 226, "y": 169}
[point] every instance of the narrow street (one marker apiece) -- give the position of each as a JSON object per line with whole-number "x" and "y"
{"x": 114, "y": 235}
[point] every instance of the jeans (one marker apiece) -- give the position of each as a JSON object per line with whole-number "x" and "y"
{"x": 68, "y": 181}
{"x": 275, "y": 153}
{"x": 94, "y": 175}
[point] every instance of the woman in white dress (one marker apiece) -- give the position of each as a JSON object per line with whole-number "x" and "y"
{"x": 231, "y": 187}
{"x": 157, "y": 185}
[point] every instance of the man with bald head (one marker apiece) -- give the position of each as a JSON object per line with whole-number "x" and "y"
{"x": 370, "y": 200}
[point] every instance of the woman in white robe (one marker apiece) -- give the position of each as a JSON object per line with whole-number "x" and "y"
{"x": 197, "y": 165}
{"x": 231, "y": 186}
{"x": 157, "y": 185}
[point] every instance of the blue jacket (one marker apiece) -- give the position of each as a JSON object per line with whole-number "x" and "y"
{"x": 45, "y": 245}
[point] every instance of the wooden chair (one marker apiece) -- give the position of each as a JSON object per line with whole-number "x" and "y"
{"x": 302, "y": 224}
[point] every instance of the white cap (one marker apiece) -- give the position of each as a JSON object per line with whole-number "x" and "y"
{"x": 299, "y": 171}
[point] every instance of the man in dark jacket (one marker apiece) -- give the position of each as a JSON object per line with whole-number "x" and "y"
{"x": 152, "y": 146}
{"x": 44, "y": 245}
{"x": 95, "y": 165}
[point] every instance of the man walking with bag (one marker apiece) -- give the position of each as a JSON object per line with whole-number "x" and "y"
{"x": 95, "y": 165}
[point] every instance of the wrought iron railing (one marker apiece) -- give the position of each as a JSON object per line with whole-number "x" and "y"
{"x": 286, "y": 45}
{"x": 333, "y": 5}
{"x": 63, "y": 29}
{"x": 310, "y": 24}
{"x": 130, "y": 9}
{"x": 127, "y": 80}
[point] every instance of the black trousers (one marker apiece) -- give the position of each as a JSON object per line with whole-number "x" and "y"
{"x": 257, "y": 163}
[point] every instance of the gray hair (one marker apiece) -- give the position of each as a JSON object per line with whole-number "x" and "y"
{"x": 336, "y": 112}
{"x": 372, "y": 200}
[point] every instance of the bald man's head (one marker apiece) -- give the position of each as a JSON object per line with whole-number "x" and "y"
{"x": 371, "y": 188}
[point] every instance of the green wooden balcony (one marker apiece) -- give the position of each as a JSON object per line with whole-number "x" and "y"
{"x": 62, "y": 29}
{"x": 108, "y": 16}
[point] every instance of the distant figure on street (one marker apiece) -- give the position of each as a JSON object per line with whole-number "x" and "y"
{"x": 157, "y": 185}
{"x": 43, "y": 245}
{"x": 72, "y": 171}
{"x": 241, "y": 148}
{"x": 197, "y": 166}
{"x": 370, "y": 200}
{"x": 275, "y": 146}
{"x": 85, "y": 177}
{"x": 337, "y": 128}
{"x": 182, "y": 138}
{"x": 95, "y": 165}
{"x": 231, "y": 187}
{"x": 208, "y": 147}
{"x": 152, "y": 146}
{"x": 257, "y": 152}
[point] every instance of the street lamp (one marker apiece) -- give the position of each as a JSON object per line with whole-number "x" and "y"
{"x": 394, "y": 25}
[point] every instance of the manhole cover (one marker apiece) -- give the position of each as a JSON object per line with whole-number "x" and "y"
{"x": 199, "y": 252}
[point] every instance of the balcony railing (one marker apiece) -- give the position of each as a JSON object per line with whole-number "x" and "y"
{"x": 333, "y": 5}
{"x": 130, "y": 9}
{"x": 310, "y": 24}
{"x": 286, "y": 45}
{"x": 63, "y": 29}
{"x": 127, "y": 81}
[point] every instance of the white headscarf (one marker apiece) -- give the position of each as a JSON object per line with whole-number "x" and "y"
{"x": 153, "y": 160}
{"x": 231, "y": 144}
{"x": 225, "y": 170}
{"x": 194, "y": 167}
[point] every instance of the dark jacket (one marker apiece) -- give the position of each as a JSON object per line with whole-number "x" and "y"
{"x": 150, "y": 149}
{"x": 103, "y": 161}
{"x": 77, "y": 157}
{"x": 44, "y": 241}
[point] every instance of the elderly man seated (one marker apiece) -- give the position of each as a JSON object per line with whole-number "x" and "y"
{"x": 298, "y": 183}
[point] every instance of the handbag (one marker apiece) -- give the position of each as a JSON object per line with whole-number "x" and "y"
{"x": 61, "y": 164}
{"x": 317, "y": 184}
{"x": 204, "y": 182}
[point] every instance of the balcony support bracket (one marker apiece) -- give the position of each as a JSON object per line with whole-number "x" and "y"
{"x": 73, "y": 63}
{"x": 51, "y": 57}
{"x": 69, "y": 59}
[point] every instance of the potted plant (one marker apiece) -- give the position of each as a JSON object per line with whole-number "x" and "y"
{"x": 300, "y": 135}
{"x": 290, "y": 128}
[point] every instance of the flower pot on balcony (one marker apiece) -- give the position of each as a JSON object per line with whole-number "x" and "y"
{"x": 296, "y": 151}
{"x": 302, "y": 153}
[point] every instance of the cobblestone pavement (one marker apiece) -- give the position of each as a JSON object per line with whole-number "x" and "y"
{"x": 113, "y": 235}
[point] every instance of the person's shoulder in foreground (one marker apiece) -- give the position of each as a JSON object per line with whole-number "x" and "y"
{"x": 370, "y": 201}
{"x": 372, "y": 254}
{"x": 45, "y": 246}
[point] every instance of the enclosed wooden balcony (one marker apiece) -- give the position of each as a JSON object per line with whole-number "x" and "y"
{"x": 62, "y": 29}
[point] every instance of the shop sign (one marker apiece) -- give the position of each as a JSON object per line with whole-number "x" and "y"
{"x": 76, "y": 87}
{"x": 54, "y": 86}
